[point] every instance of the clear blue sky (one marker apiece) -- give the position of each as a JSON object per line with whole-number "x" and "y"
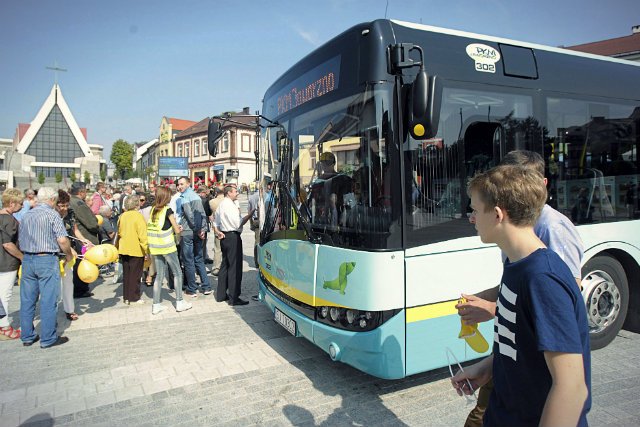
{"x": 131, "y": 62}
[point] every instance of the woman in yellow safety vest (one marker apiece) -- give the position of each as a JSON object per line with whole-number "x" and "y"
{"x": 162, "y": 245}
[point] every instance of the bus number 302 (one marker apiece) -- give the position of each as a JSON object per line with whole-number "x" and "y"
{"x": 485, "y": 68}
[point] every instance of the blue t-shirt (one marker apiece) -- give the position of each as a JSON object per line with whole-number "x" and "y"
{"x": 539, "y": 309}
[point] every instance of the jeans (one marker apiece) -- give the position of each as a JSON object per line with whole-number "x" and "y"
{"x": 6, "y": 288}
{"x": 161, "y": 262}
{"x": 40, "y": 278}
{"x": 193, "y": 260}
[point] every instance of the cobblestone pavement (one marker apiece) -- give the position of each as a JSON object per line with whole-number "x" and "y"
{"x": 220, "y": 365}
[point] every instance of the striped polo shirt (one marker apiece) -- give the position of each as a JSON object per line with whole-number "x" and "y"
{"x": 39, "y": 230}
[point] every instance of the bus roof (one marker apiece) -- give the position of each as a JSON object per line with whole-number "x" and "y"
{"x": 513, "y": 42}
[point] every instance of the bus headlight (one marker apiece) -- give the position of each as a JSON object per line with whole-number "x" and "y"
{"x": 351, "y": 319}
{"x": 351, "y": 316}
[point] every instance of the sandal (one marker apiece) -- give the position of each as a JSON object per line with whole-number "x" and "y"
{"x": 71, "y": 316}
{"x": 9, "y": 333}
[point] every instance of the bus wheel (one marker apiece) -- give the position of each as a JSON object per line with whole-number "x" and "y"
{"x": 606, "y": 295}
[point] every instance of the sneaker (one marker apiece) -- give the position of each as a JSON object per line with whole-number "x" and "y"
{"x": 209, "y": 292}
{"x": 140, "y": 301}
{"x": 182, "y": 305}
{"x": 157, "y": 308}
{"x": 215, "y": 271}
{"x": 192, "y": 295}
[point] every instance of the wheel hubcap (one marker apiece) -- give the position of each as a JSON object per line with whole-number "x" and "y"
{"x": 602, "y": 300}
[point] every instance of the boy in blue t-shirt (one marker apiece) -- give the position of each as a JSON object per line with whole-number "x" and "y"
{"x": 541, "y": 364}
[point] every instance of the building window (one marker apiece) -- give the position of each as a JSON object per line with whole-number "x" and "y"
{"x": 55, "y": 142}
{"x": 204, "y": 147}
{"x": 179, "y": 150}
{"x": 312, "y": 156}
{"x": 186, "y": 149}
{"x": 246, "y": 143}
{"x": 50, "y": 172}
{"x": 196, "y": 148}
{"x": 225, "y": 143}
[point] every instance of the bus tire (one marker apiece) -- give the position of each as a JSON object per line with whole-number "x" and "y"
{"x": 605, "y": 290}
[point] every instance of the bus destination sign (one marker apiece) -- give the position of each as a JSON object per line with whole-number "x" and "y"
{"x": 313, "y": 84}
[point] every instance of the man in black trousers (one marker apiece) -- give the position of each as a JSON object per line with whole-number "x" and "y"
{"x": 228, "y": 227}
{"x": 88, "y": 227}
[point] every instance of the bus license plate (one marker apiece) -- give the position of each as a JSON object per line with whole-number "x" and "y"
{"x": 285, "y": 321}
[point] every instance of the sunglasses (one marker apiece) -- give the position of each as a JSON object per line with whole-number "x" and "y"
{"x": 468, "y": 398}
{"x": 143, "y": 200}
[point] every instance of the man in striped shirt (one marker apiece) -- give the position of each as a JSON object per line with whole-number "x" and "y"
{"x": 42, "y": 236}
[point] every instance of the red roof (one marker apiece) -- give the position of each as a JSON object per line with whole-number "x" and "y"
{"x": 201, "y": 126}
{"x": 22, "y": 129}
{"x": 612, "y": 47}
{"x": 179, "y": 124}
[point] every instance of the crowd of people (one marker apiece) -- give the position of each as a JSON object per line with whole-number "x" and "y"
{"x": 539, "y": 372}
{"x": 160, "y": 234}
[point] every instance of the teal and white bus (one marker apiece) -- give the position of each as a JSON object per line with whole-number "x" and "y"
{"x": 365, "y": 244}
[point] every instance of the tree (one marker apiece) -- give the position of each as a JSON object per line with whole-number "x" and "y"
{"x": 103, "y": 175}
{"x": 73, "y": 177}
{"x": 58, "y": 178}
{"x": 148, "y": 171}
{"x": 87, "y": 177}
{"x": 122, "y": 157}
{"x": 41, "y": 178}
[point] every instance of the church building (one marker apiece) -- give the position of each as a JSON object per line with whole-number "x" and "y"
{"x": 53, "y": 145}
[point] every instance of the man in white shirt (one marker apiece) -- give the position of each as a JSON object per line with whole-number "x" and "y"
{"x": 227, "y": 226}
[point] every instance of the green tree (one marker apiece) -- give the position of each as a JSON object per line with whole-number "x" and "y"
{"x": 58, "y": 178}
{"x": 41, "y": 178}
{"x": 73, "y": 177}
{"x": 122, "y": 157}
{"x": 87, "y": 177}
{"x": 148, "y": 171}
{"x": 103, "y": 175}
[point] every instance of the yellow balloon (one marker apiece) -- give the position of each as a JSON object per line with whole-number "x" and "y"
{"x": 99, "y": 255}
{"x": 87, "y": 271}
{"x": 113, "y": 251}
{"x": 100, "y": 219}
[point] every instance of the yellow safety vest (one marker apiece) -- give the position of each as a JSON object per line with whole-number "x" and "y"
{"x": 161, "y": 242}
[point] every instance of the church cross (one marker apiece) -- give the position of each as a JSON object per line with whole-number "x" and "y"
{"x": 55, "y": 69}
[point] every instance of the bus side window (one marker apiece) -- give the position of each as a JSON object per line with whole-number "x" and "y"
{"x": 591, "y": 149}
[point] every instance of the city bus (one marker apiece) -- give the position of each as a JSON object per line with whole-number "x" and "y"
{"x": 366, "y": 147}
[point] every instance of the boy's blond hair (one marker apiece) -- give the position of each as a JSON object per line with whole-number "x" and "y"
{"x": 518, "y": 190}
{"x": 12, "y": 195}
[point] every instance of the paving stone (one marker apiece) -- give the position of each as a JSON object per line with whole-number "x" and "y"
{"x": 100, "y": 399}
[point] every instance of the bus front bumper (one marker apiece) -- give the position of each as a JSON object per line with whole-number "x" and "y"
{"x": 380, "y": 352}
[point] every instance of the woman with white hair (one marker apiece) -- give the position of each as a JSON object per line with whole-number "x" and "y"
{"x": 133, "y": 249}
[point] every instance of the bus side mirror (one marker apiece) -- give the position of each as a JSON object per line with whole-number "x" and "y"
{"x": 214, "y": 133}
{"x": 281, "y": 137}
{"x": 422, "y": 121}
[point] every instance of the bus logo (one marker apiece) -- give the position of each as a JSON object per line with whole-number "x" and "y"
{"x": 484, "y": 57}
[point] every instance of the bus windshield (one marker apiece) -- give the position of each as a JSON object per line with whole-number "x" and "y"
{"x": 341, "y": 174}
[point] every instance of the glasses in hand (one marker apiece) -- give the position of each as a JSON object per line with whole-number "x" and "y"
{"x": 467, "y": 397}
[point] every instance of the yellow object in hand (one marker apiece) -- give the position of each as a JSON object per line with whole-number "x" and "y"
{"x": 472, "y": 335}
